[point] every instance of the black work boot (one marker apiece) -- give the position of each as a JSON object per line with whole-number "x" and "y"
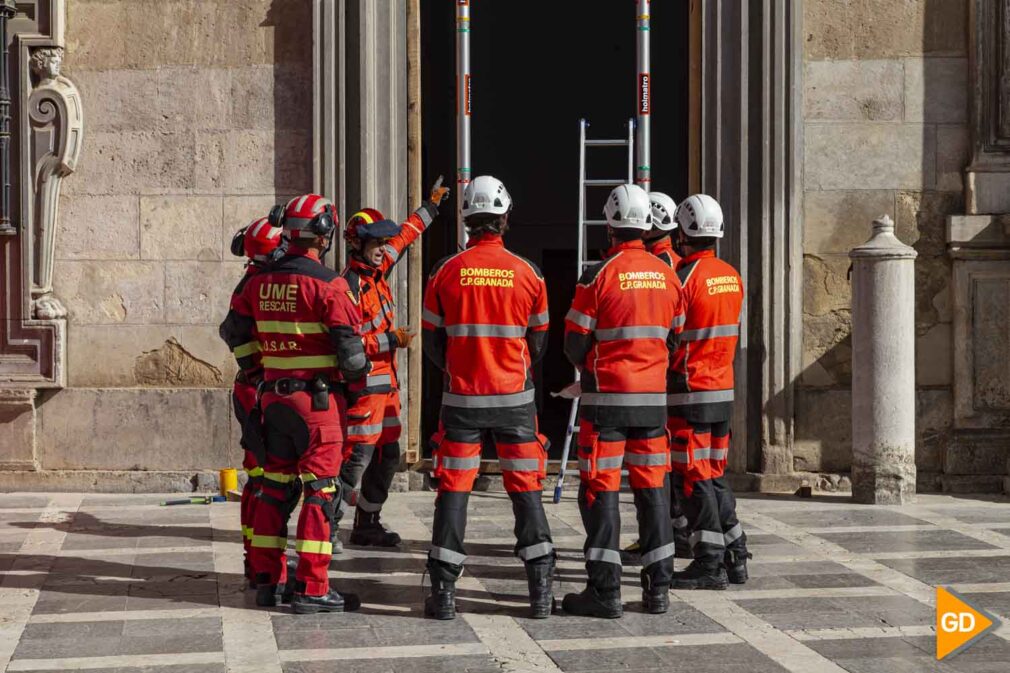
{"x": 682, "y": 543}
{"x": 334, "y": 601}
{"x": 368, "y": 531}
{"x": 540, "y": 579}
{"x": 287, "y": 590}
{"x": 736, "y": 566}
{"x": 592, "y": 603}
{"x": 441, "y": 603}
{"x": 698, "y": 576}
{"x": 266, "y": 595}
{"x": 655, "y": 599}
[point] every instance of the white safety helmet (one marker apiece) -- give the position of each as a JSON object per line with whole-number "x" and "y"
{"x": 486, "y": 195}
{"x": 663, "y": 210}
{"x": 700, "y": 216}
{"x": 628, "y": 207}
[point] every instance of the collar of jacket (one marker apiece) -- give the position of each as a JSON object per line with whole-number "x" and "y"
{"x": 664, "y": 242}
{"x": 295, "y": 250}
{"x": 636, "y": 244}
{"x": 486, "y": 239}
{"x": 698, "y": 255}
{"x": 361, "y": 267}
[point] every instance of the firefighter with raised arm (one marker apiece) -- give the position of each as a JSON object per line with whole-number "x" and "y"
{"x": 620, "y": 333}
{"x": 376, "y": 244}
{"x": 485, "y": 325}
{"x": 303, "y": 320}
{"x": 701, "y": 399}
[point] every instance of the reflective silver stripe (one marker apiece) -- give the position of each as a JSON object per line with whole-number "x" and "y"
{"x": 364, "y": 429}
{"x": 379, "y": 380}
{"x": 710, "y": 332}
{"x": 504, "y": 331}
{"x": 447, "y": 556}
{"x": 609, "y": 463}
{"x": 366, "y": 506}
{"x": 391, "y": 422}
{"x": 581, "y": 319}
{"x": 678, "y": 321}
{"x": 536, "y": 551}
{"x": 428, "y": 316}
{"x": 707, "y": 537}
{"x": 393, "y": 253}
{"x": 519, "y": 464}
{"x": 657, "y": 554}
{"x": 356, "y": 361}
{"x": 680, "y": 522}
{"x": 457, "y": 463}
{"x": 631, "y": 333}
{"x": 604, "y": 555}
{"x": 733, "y": 534}
{"x": 488, "y": 401}
{"x": 539, "y": 319}
{"x": 680, "y": 457}
{"x": 385, "y": 342}
{"x": 623, "y": 399}
{"x": 424, "y": 215}
{"x": 645, "y": 458}
{"x": 374, "y": 324}
{"x": 709, "y": 454}
{"x": 585, "y": 465}
{"x": 699, "y": 397}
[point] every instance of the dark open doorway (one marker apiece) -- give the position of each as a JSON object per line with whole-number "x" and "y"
{"x": 535, "y": 74}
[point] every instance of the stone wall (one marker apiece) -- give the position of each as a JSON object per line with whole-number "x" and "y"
{"x": 199, "y": 118}
{"x": 886, "y": 131}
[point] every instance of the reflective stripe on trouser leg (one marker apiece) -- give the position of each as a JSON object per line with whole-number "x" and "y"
{"x": 522, "y": 465}
{"x": 647, "y": 457}
{"x": 603, "y": 530}
{"x": 378, "y": 478}
{"x": 734, "y": 536}
{"x": 351, "y": 474}
{"x": 655, "y": 534}
{"x": 458, "y": 459}
{"x": 702, "y": 509}
{"x": 533, "y": 534}
{"x": 313, "y": 544}
{"x": 269, "y": 536}
{"x": 447, "y": 553}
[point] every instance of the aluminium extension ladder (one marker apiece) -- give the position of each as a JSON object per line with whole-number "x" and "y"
{"x": 586, "y": 183}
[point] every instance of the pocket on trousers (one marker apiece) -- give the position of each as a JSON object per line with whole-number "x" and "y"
{"x": 589, "y": 446}
{"x": 436, "y": 445}
{"x": 329, "y": 435}
{"x": 545, "y": 445}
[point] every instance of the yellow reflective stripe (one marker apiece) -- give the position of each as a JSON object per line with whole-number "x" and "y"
{"x": 329, "y": 489}
{"x": 247, "y": 532}
{"x": 246, "y": 349}
{"x": 313, "y": 547}
{"x": 300, "y": 362}
{"x": 268, "y": 542}
{"x": 286, "y": 327}
{"x": 309, "y": 476}
{"x": 255, "y": 472}
{"x": 279, "y": 478}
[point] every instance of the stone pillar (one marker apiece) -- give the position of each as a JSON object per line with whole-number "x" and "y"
{"x": 17, "y": 430}
{"x": 883, "y": 368}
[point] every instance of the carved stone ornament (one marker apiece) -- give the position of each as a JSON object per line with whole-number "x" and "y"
{"x": 57, "y": 124}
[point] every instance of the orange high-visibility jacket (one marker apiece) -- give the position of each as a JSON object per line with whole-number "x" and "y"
{"x": 302, "y": 319}
{"x": 485, "y": 324}
{"x": 663, "y": 248}
{"x": 371, "y": 290}
{"x": 701, "y": 381}
{"x": 620, "y": 332}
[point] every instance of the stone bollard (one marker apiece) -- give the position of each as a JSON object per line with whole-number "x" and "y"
{"x": 883, "y": 368}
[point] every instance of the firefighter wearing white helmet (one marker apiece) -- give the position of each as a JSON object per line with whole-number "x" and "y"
{"x": 700, "y": 412}
{"x": 658, "y": 240}
{"x": 626, "y": 310}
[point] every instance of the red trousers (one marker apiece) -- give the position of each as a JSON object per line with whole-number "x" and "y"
{"x": 243, "y": 400}
{"x": 304, "y": 452}
{"x": 372, "y": 451}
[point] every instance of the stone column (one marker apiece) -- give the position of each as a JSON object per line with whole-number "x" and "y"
{"x": 883, "y": 368}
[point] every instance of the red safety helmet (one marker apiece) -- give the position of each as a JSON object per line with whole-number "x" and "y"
{"x": 306, "y": 216}
{"x": 260, "y": 240}
{"x": 366, "y": 224}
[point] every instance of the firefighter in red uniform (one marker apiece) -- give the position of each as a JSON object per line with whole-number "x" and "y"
{"x": 701, "y": 399}
{"x": 619, "y": 333}
{"x": 302, "y": 318}
{"x": 256, "y": 242}
{"x": 376, "y": 245}
{"x": 485, "y": 325}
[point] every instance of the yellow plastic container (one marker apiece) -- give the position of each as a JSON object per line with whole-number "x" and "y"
{"x": 228, "y": 479}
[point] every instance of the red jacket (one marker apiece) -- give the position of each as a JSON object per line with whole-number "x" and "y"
{"x": 485, "y": 324}
{"x": 620, "y": 332}
{"x": 304, "y": 319}
{"x": 375, "y": 301}
{"x": 701, "y": 382}
{"x": 663, "y": 248}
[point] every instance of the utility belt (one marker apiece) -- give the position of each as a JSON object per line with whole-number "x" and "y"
{"x": 319, "y": 387}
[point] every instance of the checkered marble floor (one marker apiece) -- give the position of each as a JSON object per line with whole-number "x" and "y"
{"x": 115, "y": 583}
